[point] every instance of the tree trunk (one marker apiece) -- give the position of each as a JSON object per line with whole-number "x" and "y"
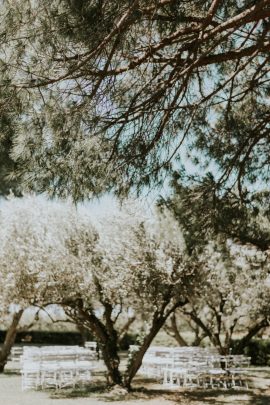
{"x": 213, "y": 337}
{"x": 106, "y": 337}
{"x": 176, "y": 334}
{"x": 111, "y": 359}
{"x": 9, "y": 339}
{"x": 125, "y": 329}
{"x": 252, "y": 332}
{"x": 198, "y": 339}
{"x": 137, "y": 358}
{"x": 83, "y": 332}
{"x": 159, "y": 320}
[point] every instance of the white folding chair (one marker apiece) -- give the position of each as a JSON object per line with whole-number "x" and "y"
{"x": 83, "y": 371}
{"x": 30, "y": 375}
{"x": 67, "y": 376}
{"x": 49, "y": 371}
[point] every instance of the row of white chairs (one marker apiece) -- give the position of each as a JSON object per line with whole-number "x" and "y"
{"x": 56, "y": 366}
{"x": 194, "y": 367}
{"x": 63, "y": 352}
{"x": 55, "y": 374}
{"x": 205, "y": 377}
{"x": 16, "y": 353}
{"x": 214, "y": 371}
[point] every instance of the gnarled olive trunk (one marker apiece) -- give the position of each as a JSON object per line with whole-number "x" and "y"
{"x": 111, "y": 359}
{"x": 108, "y": 337}
{"x": 253, "y": 330}
{"x": 9, "y": 339}
{"x": 136, "y": 360}
{"x": 172, "y": 330}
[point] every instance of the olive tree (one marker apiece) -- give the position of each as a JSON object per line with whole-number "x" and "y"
{"x": 233, "y": 299}
{"x": 28, "y": 246}
{"x": 136, "y": 264}
{"x": 52, "y": 254}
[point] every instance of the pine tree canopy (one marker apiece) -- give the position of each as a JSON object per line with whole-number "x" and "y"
{"x": 10, "y": 108}
{"x": 114, "y": 91}
{"x": 205, "y": 214}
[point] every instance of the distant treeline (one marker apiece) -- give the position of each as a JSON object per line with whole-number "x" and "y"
{"x": 62, "y": 338}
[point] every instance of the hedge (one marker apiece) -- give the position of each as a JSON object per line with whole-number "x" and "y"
{"x": 61, "y": 338}
{"x": 258, "y": 350}
{"x": 47, "y": 338}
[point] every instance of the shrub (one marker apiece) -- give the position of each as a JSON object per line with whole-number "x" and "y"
{"x": 258, "y": 350}
{"x": 127, "y": 340}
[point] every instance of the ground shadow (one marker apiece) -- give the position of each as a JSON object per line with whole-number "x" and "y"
{"x": 263, "y": 398}
{"x": 144, "y": 391}
{"x": 187, "y": 397}
{"x": 222, "y": 397}
{"x": 96, "y": 389}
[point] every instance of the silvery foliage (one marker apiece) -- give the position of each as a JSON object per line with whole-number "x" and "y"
{"x": 51, "y": 253}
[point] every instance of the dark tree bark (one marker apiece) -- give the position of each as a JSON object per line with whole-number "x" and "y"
{"x": 251, "y": 333}
{"x": 107, "y": 339}
{"x": 83, "y": 332}
{"x": 173, "y": 331}
{"x": 9, "y": 339}
{"x": 111, "y": 359}
{"x": 107, "y": 335}
{"x": 158, "y": 322}
{"x": 125, "y": 329}
{"x": 137, "y": 358}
